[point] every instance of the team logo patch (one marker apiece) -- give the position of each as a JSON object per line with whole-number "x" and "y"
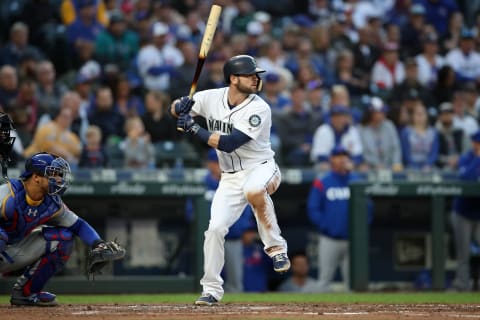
{"x": 254, "y": 120}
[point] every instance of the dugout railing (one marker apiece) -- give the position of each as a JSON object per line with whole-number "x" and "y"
{"x": 437, "y": 191}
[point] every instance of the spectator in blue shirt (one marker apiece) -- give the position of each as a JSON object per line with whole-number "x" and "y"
{"x": 18, "y": 46}
{"x": 419, "y": 140}
{"x": 466, "y": 215}
{"x": 438, "y": 12}
{"x": 106, "y": 115}
{"x": 84, "y": 30}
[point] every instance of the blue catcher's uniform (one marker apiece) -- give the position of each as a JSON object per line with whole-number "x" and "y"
{"x": 38, "y": 235}
{"x": 22, "y": 217}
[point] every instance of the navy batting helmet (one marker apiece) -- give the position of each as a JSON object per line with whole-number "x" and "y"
{"x": 240, "y": 65}
{"x": 50, "y": 166}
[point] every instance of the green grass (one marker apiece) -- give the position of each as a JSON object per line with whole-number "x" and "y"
{"x": 344, "y": 298}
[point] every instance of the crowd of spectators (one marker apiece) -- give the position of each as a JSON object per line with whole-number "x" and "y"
{"x": 395, "y": 82}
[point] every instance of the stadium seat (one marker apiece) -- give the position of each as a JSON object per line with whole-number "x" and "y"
{"x": 168, "y": 153}
{"x": 115, "y": 155}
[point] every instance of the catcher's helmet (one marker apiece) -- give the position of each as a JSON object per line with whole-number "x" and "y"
{"x": 242, "y": 64}
{"x": 50, "y": 166}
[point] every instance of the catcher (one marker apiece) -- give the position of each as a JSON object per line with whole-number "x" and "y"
{"x": 37, "y": 230}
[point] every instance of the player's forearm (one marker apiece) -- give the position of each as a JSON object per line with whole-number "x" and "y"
{"x": 213, "y": 140}
{"x": 85, "y": 231}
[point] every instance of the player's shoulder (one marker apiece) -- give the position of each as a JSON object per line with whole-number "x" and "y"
{"x": 214, "y": 93}
{"x": 257, "y": 103}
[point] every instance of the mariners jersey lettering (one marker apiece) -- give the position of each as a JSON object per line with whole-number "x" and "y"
{"x": 219, "y": 126}
{"x": 252, "y": 117}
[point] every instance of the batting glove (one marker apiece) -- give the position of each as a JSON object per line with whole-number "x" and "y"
{"x": 184, "y": 105}
{"x": 187, "y": 124}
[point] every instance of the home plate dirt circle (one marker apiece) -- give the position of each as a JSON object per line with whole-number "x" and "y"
{"x": 244, "y": 311}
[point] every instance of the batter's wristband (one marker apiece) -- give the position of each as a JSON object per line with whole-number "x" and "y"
{"x": 201, "y": 133}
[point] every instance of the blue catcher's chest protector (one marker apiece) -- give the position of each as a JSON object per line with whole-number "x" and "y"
{"x": 21, "y": 217}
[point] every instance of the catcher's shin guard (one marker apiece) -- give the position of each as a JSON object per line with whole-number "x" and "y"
{"x": 59, "y": 246}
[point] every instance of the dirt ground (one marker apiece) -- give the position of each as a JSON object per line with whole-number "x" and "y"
{"x": 243, "y": 311}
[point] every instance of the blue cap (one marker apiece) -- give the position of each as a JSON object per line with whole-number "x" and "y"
{"x": 212, "y": 155}
{"x": 303, "y": 21}
{"x": 339, "y": 109}
{"x": 80, "y": 78}
{"x": 85, "y": 3}
{"x": 272, "y": 77}
{"x": 339, "y": 150}
{"x": 467, "y": 33}
{"x": 476, "y": 136}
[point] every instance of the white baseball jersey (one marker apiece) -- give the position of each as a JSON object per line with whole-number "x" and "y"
{"x": 151, "y": 56}
{"x": 467, "y": 65}
{"x": 249, "y": 176}
{"x": 252, "y": 117}
{"x": 324, "y": 141}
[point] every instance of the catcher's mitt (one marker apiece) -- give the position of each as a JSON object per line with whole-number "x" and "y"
{"x": 101, "y": 255}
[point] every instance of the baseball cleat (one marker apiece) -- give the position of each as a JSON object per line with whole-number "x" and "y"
{"x": 41, "y": 299}
{"x": 281, "y": 263}
{"x": 206, "y": 300}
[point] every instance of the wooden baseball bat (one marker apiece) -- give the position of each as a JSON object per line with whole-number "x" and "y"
{"x": 212, "y": 22}
{"x": 207, "y": 39}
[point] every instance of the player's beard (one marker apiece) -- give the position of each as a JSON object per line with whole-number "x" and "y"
{"x": 242, "y": 88}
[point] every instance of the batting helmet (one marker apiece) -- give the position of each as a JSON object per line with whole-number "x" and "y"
{"x": 55, "y": 168}
{"x": 242, "y": 64}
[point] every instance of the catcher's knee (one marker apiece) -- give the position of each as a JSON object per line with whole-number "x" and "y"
{"x": 59, "y": 240}
{"x": 57, "y": 234}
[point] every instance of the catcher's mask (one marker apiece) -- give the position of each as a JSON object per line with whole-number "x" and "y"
{"x": 242, "y": 65}
{"x": 54, "y": 168}
{"x": 6, "y": 140}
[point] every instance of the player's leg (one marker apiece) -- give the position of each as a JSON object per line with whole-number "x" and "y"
{"x": 263, "y": 181}
{"x": 330, "y": 254}
{"x": 462, "y": 231}
{"x": 54, "y": 246}
{"x": 227, "y": 205}
{"x": 233, "y": 267}
{"x": 22, "y": 254}
{"x": 345, "y": 264}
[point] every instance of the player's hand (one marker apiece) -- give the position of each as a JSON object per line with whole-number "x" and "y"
{"x": 184, "y": 105}
{"x": 186, "y": 123}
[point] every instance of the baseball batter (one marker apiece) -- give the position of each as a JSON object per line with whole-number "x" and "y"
{"x": 239, "y": 124}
